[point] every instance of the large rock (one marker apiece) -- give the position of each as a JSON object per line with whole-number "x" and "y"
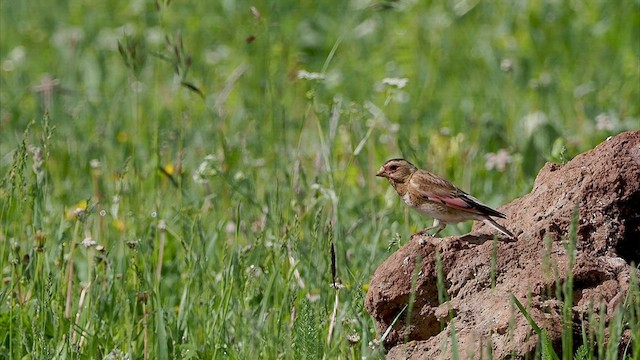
{"x": 601, "y": 186}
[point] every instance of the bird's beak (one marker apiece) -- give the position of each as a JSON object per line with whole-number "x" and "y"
{"x": 380, "y": 172}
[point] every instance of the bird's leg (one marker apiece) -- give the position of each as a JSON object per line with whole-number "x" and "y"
{"x": 440, "y": 226}
{"x": 436, "y": 225}
{"x": 424, "y": 231}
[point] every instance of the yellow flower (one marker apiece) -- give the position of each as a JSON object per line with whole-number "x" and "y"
{"x": 76, "y": 210}
{"x": 118, "y": 224}
{"x": 169, "y": 168}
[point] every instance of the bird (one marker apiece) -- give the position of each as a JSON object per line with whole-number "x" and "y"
{"x": 436, "y": 197}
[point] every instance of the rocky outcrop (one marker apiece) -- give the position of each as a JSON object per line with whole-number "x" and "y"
{"x": 479, "y": 276}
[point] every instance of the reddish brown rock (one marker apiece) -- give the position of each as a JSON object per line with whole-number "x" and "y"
{"x": 601, "y": 186}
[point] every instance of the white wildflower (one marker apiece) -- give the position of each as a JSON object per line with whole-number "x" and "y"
{"x": 313, "y": 297}
{"x": 15, "y": 57}
{"x": 238, "y": 176}
{"x": 205, "y": 170}
{"x": 154, "y": 36}
{"x": 604, "y": 122}
{"x": 230, "y": 227}
{"x": 498, "y": 160}
{"x": 583, "y": 89}
{"x": 353, "y": 339}
{"x": 255, "y": 12}
{"x": 533, "y": 121}
{"x": 303, "y": 74}
{"x": 88, "y": 242}
{"x": 162, "y": 225}
{"x": 395, "y": 82}
{"x": 506, "y": 65}
{"x": 68, "y": 37}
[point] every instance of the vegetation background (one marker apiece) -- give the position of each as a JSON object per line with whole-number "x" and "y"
{"x": 173, "y": 173}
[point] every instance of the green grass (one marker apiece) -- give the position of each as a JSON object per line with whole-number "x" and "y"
{"x": 593, "y": 344}
{"x": 213, "y": 180}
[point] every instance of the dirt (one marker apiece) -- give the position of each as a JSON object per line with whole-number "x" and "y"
{"x": 480, "y": 276}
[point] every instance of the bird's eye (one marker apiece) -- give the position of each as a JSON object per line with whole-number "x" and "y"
{"x": 393, "y": 167}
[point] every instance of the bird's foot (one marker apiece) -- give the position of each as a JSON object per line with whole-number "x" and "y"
{"x": 424, "y": 232}
{"x": 426, "y": 238}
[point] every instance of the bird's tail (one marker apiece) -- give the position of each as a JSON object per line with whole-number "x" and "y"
{"x": 495, "y": 225}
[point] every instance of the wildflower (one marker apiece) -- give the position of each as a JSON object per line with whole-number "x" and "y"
{"x": 543, "y": 81}
{"x": 15, "y": 57}
{"x": 313, "y": 296}
{"x": 162, "y": 225}
{"x": 119, "y": 225}
{"x": 395, "y": 82}
{"x": 583, "y": 89}
{"x": 353, "y": 339}
{"x": 154, "y": 36}
{"x": 76, "y": 211}
{"x": 255, "y": 12}
{"x": 169, "y": 168}
{"x": 205, "y": 170}
{"x": 303, "y": 74}
{"x": 238, "y": 176}
{"x": 604, "y": 122}
{"x": 506, "y": 65}
{"x": 88, "y": 242}
{"x": 533, "y": 121}
{"x": 230, "y": 227}
{"x": 68, "y": 37}
{"x": 498, "y": 160}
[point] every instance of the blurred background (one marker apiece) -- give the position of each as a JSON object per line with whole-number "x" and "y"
{"x": 212, "y": 151}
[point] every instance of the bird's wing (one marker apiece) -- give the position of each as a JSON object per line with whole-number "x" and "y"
{"x": 434, "y": 188}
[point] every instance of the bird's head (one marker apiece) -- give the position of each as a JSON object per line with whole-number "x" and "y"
{"x": 397, "y": 170}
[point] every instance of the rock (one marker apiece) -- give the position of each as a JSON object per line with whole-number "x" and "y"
{"x": 601, "y": 186}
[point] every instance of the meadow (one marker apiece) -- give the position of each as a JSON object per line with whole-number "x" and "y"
{"x": 174, "y": 175}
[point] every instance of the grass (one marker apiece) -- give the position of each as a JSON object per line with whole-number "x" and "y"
{"x": 594, "y": 343}
{"x": 179, "y": 139}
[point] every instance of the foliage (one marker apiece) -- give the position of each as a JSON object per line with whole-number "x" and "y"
{"x": 172, "y": 172}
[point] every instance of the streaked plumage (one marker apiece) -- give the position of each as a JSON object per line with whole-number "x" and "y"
{"x": 437, "y": 198}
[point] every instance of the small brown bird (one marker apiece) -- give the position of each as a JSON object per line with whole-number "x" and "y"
{"x": 437, "y": 198}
